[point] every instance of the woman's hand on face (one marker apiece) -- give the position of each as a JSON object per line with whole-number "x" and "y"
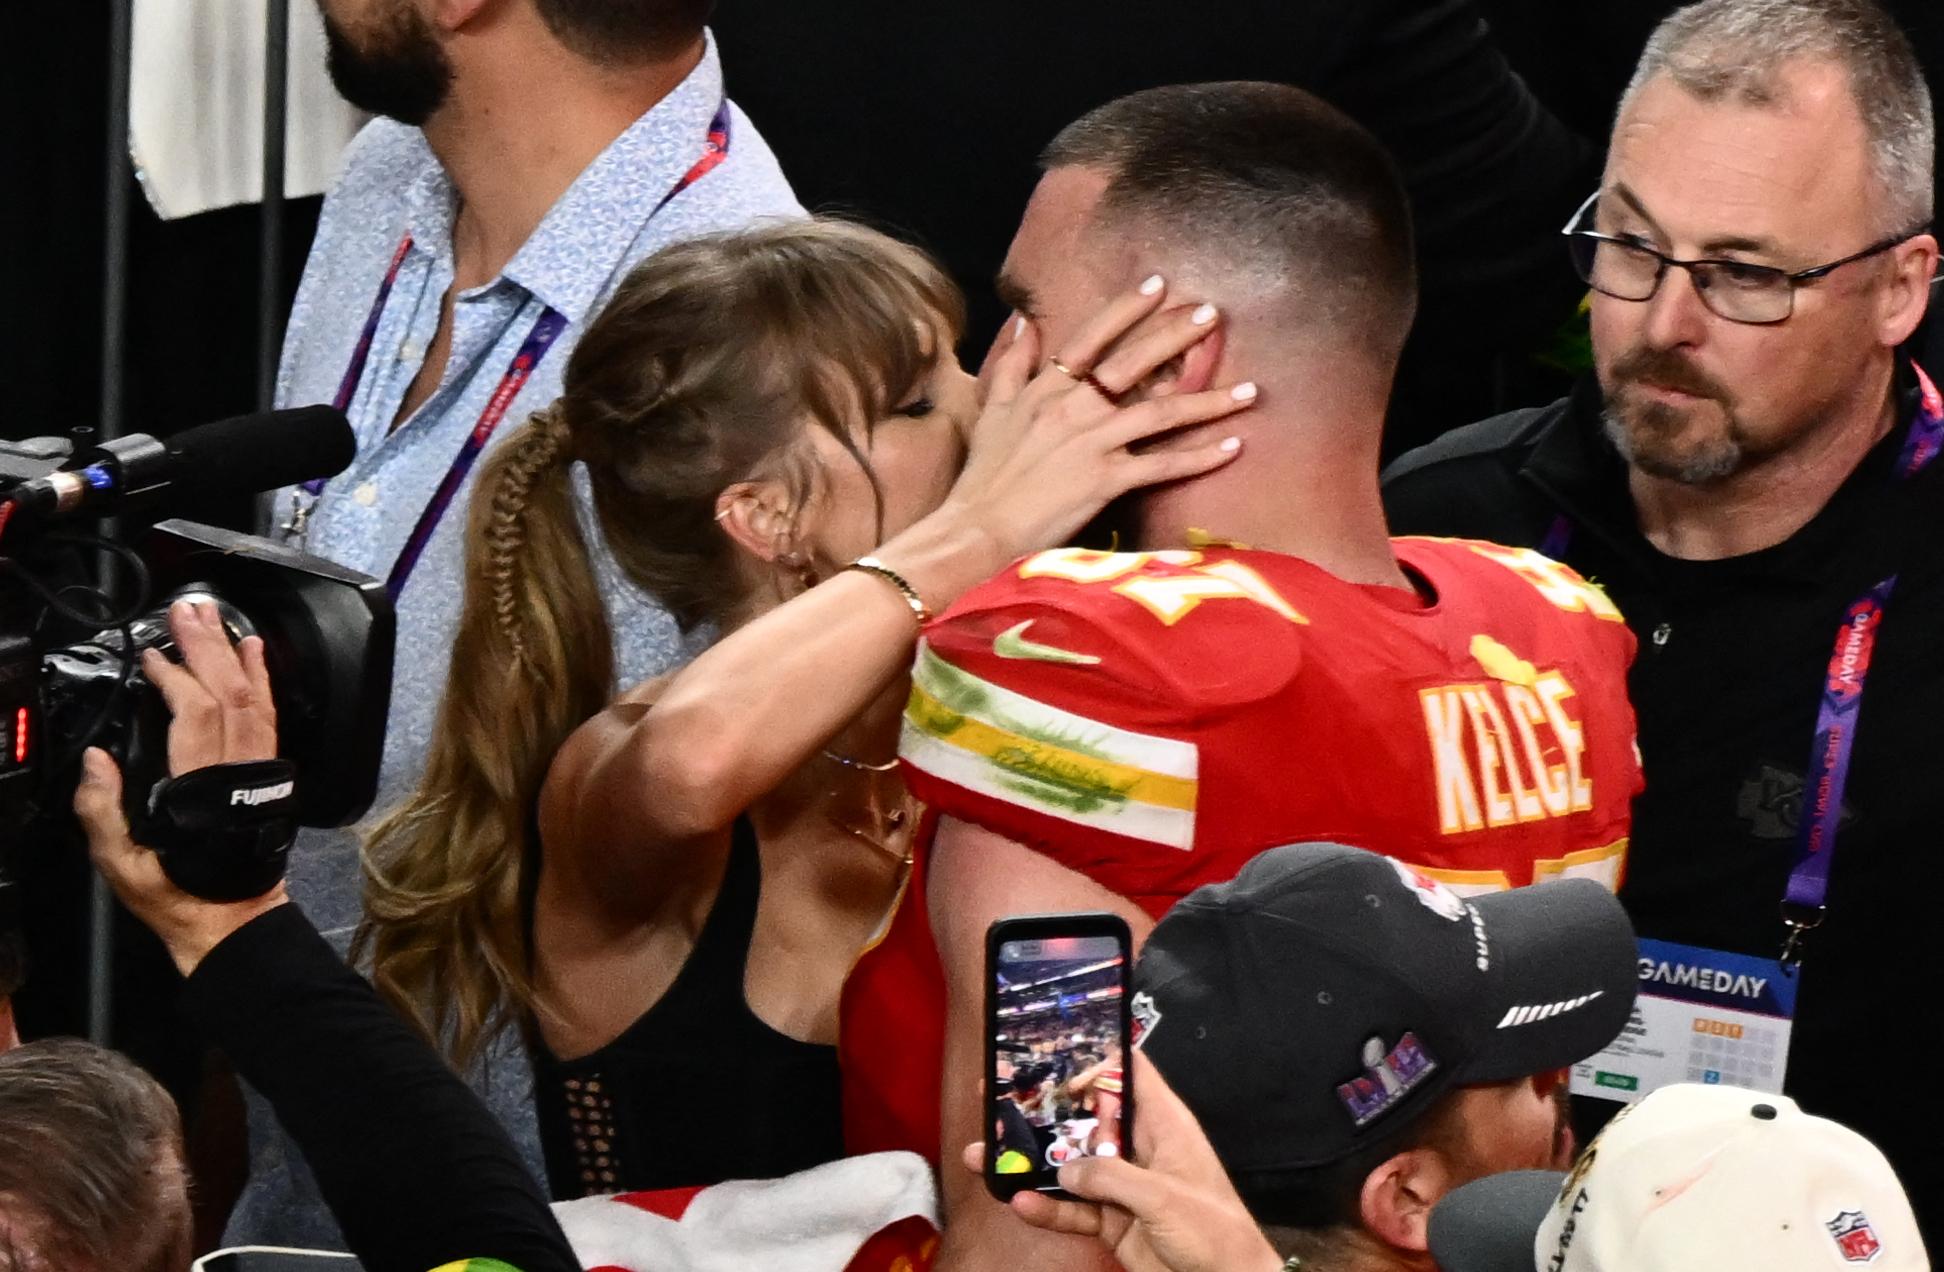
{"x": 222, "y": 713}
{"x": 1175, "y": 1212}
{"x": 1051, "y": 449}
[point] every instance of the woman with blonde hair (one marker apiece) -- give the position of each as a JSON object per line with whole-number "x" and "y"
{"x": 665, "y": 890}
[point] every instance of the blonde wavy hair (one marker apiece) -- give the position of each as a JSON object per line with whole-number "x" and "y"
{"x": 713, "y": 357}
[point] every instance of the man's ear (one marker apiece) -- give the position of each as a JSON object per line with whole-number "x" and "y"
{"x": 1904, "y": 300}
{"x": 1398, "y": 1196}
{"x": 760, "y": 517}
{"x": 1191, "y": 372}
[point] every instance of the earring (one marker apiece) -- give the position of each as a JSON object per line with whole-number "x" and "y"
{"x": 799, "y": 565}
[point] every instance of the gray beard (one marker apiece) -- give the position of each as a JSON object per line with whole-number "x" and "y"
{"x": 1646, "y": 449}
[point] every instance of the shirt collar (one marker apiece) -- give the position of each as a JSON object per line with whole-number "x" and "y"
{"x": 575, "y": 254}
{"x": 431, "y": 203}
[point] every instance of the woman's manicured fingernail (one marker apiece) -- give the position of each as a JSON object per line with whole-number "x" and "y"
{"x": 1203, "y": 316}
{"x": 1244, "y": 391}
{"x": 1152, "y": 286}
{"x": 1230, "y": 444}
{"x": 1019, "y": 327}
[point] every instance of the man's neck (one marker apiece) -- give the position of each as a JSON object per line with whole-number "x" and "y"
{"x": 524, "y": 120}
{"x": 1318, "y": 503}
{"x": 1768, "y": 502}
{"x": 1345, "y": 1249}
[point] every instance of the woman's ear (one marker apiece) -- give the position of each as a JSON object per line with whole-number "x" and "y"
{"x": 758, "y": 515}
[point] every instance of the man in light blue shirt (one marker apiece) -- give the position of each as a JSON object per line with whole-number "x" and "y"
{"x": 532, "y": 152}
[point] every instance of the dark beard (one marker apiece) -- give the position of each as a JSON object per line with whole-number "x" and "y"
{"x": 1649, "y": 435}
{"x": 403, "y": 75}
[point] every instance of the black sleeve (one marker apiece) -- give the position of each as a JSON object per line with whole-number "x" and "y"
{"x": 1466, "y": 484}
{"x": 417, "y": 1171}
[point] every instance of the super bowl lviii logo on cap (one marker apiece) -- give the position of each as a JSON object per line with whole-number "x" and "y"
{"x": 1855, "y": 1238}
{"x": 1387, "y": 1078}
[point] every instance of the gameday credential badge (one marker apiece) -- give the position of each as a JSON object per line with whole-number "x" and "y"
{"x": 1855, "y": 1237}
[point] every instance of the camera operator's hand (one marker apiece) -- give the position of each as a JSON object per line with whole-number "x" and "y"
{"x": 1175, "y": 1212}
{"x": 222, "y": 714}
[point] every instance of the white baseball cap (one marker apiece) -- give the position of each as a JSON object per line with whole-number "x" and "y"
{"x": 1692, "y": 1179}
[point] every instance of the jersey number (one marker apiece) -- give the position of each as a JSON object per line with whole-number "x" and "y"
{"x": 1555, "y": 582}
{"x": 1169, "y": 597}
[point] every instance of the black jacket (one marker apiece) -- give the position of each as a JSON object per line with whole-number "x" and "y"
{"x": 1733, "y": 656}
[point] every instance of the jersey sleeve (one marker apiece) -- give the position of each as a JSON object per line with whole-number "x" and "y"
{"x": 1063, "y": 704}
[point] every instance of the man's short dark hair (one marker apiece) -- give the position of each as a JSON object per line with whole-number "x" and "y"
{"x": 90, "y": 1161}
{"x": 1273, "y": 178}
{"x": 620, "y": 32}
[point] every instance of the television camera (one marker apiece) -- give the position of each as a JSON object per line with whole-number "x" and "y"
{"x": 77, "y": 608}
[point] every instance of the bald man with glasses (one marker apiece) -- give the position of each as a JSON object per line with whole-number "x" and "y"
{"x": 1749, "y": 475}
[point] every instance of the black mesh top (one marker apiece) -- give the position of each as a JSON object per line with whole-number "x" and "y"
{"x": 698, "y": 1090}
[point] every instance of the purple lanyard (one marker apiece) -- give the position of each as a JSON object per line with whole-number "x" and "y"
{"x": 546, "y": 330}
{"x": 1837, "y": 717}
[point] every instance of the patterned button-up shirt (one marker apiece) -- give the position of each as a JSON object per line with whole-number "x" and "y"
{"x": 392, "y": 186}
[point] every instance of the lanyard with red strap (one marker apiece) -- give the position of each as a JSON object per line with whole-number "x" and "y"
{"x": 546, "y": 330}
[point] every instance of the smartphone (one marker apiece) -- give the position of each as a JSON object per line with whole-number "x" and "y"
{"x": 1057, "y": 1078}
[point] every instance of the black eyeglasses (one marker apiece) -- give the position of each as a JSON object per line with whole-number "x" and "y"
{"x": 1627, "y": 269}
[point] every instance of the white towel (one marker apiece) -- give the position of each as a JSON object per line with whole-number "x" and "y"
{"x": 196, "y": 105}
{"x": 814, "y": 1221}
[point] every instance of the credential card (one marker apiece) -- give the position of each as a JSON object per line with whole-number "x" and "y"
{"x": 1703, "y": 1016}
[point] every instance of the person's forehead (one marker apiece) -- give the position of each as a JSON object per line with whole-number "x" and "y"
{"x": 1051, "y": 258}
{"x": 1794, "y": 173}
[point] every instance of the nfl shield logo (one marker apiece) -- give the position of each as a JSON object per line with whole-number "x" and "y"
{"x": 1854, "y": 1236}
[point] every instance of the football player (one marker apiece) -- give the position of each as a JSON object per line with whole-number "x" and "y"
{"x": 1108, "y": 730}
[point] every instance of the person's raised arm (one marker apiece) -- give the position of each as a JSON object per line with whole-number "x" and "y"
{"x": 417, "y": 1172}
{"x": 1049, "y": 451}
{"x": 976, "y": 877}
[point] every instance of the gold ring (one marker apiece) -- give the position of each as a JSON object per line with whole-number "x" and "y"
{"x": 1087, "y": 378}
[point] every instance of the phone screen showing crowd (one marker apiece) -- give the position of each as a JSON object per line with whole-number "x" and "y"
{"x": 1057, "y": 1030}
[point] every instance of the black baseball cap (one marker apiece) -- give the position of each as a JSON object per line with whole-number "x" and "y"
{"x": 1326, "y": 997}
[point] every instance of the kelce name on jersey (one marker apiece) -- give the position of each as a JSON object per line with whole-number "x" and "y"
{"x": 1505, "y": 753}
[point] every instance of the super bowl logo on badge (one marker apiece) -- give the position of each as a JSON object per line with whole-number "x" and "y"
{"x": 1855, "y": 1238}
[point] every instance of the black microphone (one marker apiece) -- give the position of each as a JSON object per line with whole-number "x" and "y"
{"x": 229, "y": 457}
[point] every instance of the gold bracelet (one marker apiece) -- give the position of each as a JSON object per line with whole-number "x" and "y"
{"x": 871, "y": 565}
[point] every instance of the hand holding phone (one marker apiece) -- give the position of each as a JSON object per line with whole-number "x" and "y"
{"x": 1058, "y": 1082}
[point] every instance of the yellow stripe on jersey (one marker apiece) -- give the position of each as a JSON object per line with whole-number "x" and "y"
{"x": 1001, "y": 744}
{"x": 1602, "y": 865}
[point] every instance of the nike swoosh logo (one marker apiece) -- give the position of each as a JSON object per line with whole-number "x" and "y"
{"x": 1012, "y": 643}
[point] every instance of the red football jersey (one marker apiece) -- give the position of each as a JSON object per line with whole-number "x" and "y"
{"x": 1154, "y": 720}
